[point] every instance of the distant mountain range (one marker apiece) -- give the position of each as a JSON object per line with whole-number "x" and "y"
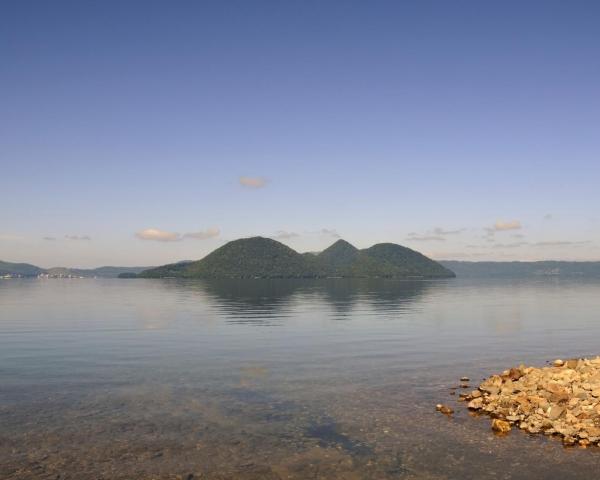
{"x": 522, "y": 269}
{"x": 260, "y": 257}
{"x": 27, "y": 270}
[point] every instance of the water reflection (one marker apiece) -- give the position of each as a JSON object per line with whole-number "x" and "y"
{"x": 267, "y": 302}
{"x": 253, "y": 302}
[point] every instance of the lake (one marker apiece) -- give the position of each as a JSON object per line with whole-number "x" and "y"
{"x": 286, "y": 379}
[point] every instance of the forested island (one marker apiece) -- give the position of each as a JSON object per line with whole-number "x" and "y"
{"x": 260, "y": 257}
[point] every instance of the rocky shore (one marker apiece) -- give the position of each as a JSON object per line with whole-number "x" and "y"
{"x": 561, "y": 399}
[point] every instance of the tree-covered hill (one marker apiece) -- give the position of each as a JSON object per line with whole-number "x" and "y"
{"x": 259, "y": 257}
{"x": 19, "y": 269}
{"x": 548, "y": 268}
{"x": 404, "y": 262}
{"x": 27, "y": 270}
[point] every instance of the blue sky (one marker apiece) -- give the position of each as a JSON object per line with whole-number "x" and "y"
{"x": 149, "y": 132}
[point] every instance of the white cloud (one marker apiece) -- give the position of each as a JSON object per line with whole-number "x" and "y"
{"x": 435, "y": 235}
{"x": 441, "y": 231}
{"x": 253, "y": 182}
{"x": 204, "y": 234}
{"x": 78, "y": 237}
{"x": 561, "y": 243}
{"x": 425, "y": 238}
{"x": 163, "y": 236}
{"x": 157, "y": 235}
{"x": 284, "y": 235}
{"x": 510, "y": 245}
{"x": 501, "y": 226}
{"x": 552, "y": 243}
{"x": 329, "y": 232}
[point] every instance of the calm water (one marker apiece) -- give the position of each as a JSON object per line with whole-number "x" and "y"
{"x": 127, "y": 379}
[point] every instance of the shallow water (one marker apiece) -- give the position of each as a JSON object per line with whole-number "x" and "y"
{"x": 166, "y": 379}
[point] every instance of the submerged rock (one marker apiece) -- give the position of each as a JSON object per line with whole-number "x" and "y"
{"x": 445, "y": 409}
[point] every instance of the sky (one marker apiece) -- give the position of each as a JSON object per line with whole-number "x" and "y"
{"x": 141, "y": 133}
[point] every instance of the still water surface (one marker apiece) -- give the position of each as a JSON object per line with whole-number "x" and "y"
{"x": 168, "y": 379}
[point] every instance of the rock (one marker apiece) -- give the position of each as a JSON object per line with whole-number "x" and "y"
{"x": 492, "y": 390}
{"x": 500, "y": 426}
{"x": 562, "y": 399}
{"x": 515, "y": 373}
{"x": 572, "y": 364}
{"x": 555, "y": 412}
{"x": 475, "y": 404}
{"x": 464, "y": 379}
{"x": 446, "y": 410}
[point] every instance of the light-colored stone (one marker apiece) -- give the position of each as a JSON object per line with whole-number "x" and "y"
{"x": 562, "y": 399}
{"x": 501, "y": 426}
{"x": 445, "y": 409}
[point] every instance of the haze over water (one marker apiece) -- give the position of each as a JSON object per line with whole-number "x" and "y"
{"x": 283, "y": 379}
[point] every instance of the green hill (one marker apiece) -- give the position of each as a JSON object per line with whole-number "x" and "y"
{"x": 547, "y": 268}
{"x": 27, "y": 270}
{"x": 19, "y": 269}
{"x": 259, "y": 257}
{"x": 344, "y": 260}
{"x": 255, "y": 257}
{"x": 405, "y": 262}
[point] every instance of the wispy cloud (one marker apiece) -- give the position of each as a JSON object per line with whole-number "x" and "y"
{"x": 502, "y": 226}
{"x": 329, "y": 232}
{"x": 435, "y": 235}
{"x": 285, "y": 235}
{"x": 253, "y": 182}
{"x": 441, "y": 231}
{"x": 562, "y": 243}
{"x": 510, "y": 245}
{"x": 157, "y": 235}
{"x": 425, "y": 238}
{"x": 551, "y": 243}
{"x": 203, "y": 234}
{"x": 457, "y": 255}
{"x": 548, "y": 216}
{"x": 154, "y": 234}
{"x": 78, "y": 237}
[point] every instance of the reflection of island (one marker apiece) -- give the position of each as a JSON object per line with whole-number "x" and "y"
{"x": 251, "y": 301}
{"x": 268, "y": 302}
